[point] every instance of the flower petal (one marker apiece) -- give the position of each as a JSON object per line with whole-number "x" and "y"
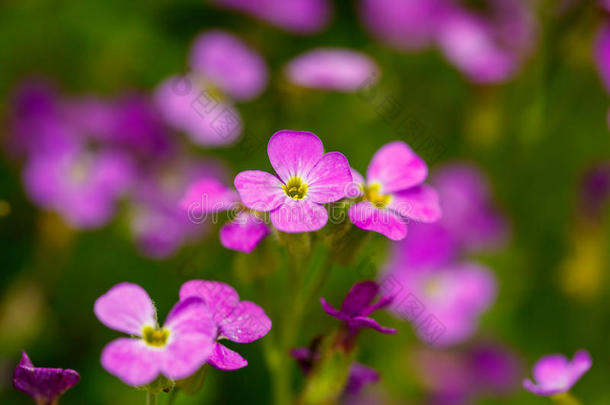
{"x": 365, "y": 322}
{"x": 365, "y": 216}
{"x": 330, "y": 178}
{"x": 131, "y": 361}
{"x": 581, "y": 363}
{"x": 247, "y": 323}
{"x": 294, "y": 153}
{"x": 359, "y": 297}
{"x": 356, "y": 188}
{"x": 244, "y": 233}
{"x": 259, "y": 191}
{"x": 602, "y": 54}
{"x": 224, "y": 358}
{"x": 208, "y": 196}
{"x": 419, "y": 203}
{"x": 299, "y": 216}
{"x": 126, "y": 307}
{"x": 396, "y": 167}
{"x": 359, "y": 377}
{"x": 221, "y": 298}
{"x": 330, "y": 310}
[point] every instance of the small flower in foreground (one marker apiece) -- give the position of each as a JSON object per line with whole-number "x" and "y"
{"x": 175, "y": 350}
{"x": 357, "y": 306}
{"x": 338, "y": 69}
{"x": 306, "y": 179}
{"x": 555, "y": 374}
{"x": 44, "y": 385}
{"x": 393, "y": 192}
{"x": 238, "y": 321}
{"x": 209, "y": 196}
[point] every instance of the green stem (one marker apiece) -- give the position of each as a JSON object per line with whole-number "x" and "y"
{"x": 151, "y": 399}
{"x": 172, "y": 396}
{"x": 565, "y": 399}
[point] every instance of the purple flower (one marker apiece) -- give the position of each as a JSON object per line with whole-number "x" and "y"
{"x": 227, "y": 62}
{"x": 393, "y": 192}
{"x": 209, "y": 196}
{"x": 189, "y": 105}
{"x": 297, "y": 16}
{"x": 452, "y": 297}
{"x": 176, "y": 350}
{"x": 402, "y": 24}
{"x": 306, "y": 179}
{"x": 555, "y": 374}
{"x": 44, "y": 385}
{"x": 238, "y": 321}
{"x": 337, "y": 69}
{"x": 602, "y": 54}
{"x": 357, "y": 306}
{"x": 595, "y": 191}
{"x": 487, "y": 48}
{"x": 158, "y": 223}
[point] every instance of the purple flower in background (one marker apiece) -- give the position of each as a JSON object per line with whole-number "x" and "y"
{"x": 357, "y": 306}
{"x": 555, "y": 374}
{"x": 176, "y": 350}
{"x": 238, "y": 321}
{"x": 209, "y": 196}
{"x": 452, "y": 297}
{"x": 44, "y": 385}
{"x": 297, "y": 16}
{"x": 158, "y": 223}
{"x": 602, "y": 54}
{"x": 306, "y": 179}
{"x": 487, "y": 48}
{"x": 605, "y": 4}
{"x": 402, "y": 24}
{"x": 224, "y": 60}
{"x": 595, "y": 191}
{"x": 339, "y": 69}
{"x": 187, "y": 104}
{"x": 393, "y": 192}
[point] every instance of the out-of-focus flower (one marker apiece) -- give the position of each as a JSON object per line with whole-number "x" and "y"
{"x": 158, "y": 223}
{"x": 226, "y": 61}
{"x": 602, "y": 54}
{"x": 44, "y": 385}
{"x": 339, "y": 69}
{"x": 555, "y": 374}
{"x": 297, "y": 16}
{"x": 210, "y": 196}
{"x": 238, "y": 321}
{"x": 454, "y": 296}
{"x": 190, "y": 105}
{"x": 402, "y": 24}
{"x": 358, "y": 305}
{"x": 461, "y": 376}
{"x": 306, "y": 179}
{"x": 487, "y": 48}
{"x": 394, "y": 192}
{"x": 605, "y": 4}
{"x": 175, "y": 350}
{"x": 595, "y": 193}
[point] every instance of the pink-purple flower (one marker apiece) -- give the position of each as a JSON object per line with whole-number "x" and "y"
{"x": 176, "y": 350}
{"x": 306, "y": 179}
{"x": 555, "y": 374}
{"x": 338, "y": 69}
{"x": 209, "y": 196}
{"x": 358, "y": 305}
{"x": 394, "y": 193}
{"x": 43, "y": 385}
{"x": 602, "y": 54}
{"x": 235, "y": 320}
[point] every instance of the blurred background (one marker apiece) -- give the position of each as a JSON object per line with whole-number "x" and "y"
{"x": 93, "y": 166}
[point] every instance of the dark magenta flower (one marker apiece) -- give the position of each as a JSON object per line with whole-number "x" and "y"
{"x": 602, "y": 54}
{"x": 297, "y": 16}
{"x": 394, "y": 193}
{"x": 209, "y": 196}
{"x": 338, "y": 69}
{"x": 555, "y": 374}
{"x": 44, "y": 385}
{"x": 358, "y": 305}
{"x": 306, "y": 178}
{"x": 595, "y": 191}
{"x": 176, "y": 349}
{"x": 238, "y": 321}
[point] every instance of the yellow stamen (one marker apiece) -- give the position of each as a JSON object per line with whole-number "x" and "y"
{"x": 373, "y": 194}
{"x": 295, "y": 188}
{"x": 154, "y": 336}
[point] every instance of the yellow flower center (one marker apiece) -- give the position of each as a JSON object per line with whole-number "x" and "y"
{"x": 295, "y": 188}
{"x": 154, "y": 336}
{"x": 372, "y": 193}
